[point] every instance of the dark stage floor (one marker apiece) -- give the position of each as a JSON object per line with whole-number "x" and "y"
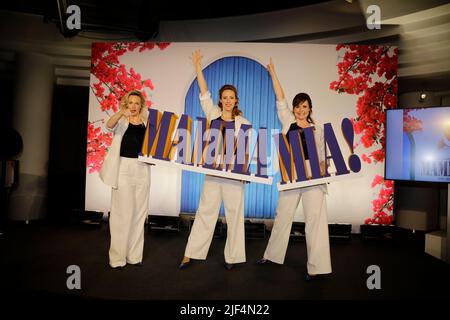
{"x": 35, "y": 258}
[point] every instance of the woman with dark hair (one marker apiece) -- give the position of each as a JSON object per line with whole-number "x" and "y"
{"x": 313, "y": 197}
{"x": 129, "y": 179}
{"x": 216, "y": 189}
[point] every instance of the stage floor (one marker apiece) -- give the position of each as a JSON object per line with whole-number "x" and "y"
{"x": 35, "y": 259}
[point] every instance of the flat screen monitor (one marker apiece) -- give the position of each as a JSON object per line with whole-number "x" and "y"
{"x": 418, "y": 144}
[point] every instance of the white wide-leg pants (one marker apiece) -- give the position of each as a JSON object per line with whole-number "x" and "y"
{"x": 316, "y": 228}
{"x": 215, "y": 190}
{"x": 129, "y": 209}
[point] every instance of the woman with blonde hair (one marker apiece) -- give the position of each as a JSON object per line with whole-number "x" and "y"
{"x": 129, "y": 179}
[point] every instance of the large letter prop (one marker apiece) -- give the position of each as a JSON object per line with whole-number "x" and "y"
{"x": 291, "y": 157}
{"x": 216, "y": 150}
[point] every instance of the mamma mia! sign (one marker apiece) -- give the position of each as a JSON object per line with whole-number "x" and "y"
{"x": 214, "y": 148}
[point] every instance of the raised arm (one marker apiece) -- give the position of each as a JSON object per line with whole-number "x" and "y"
{"x": 197, "y": 62}
{"x": 116, "y": 117}
{"x": 275, "y": 82}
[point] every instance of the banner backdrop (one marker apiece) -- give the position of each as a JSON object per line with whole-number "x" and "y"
{"x": 355, "y": 82}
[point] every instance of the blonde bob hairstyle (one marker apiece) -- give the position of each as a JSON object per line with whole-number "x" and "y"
{"x": 143, "y": 114}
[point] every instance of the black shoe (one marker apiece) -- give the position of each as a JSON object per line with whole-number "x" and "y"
{"x": 262, "y": 261}
{"x": 315, "y": 277}
{"x": 139, "y": 264}
{"x": 309, "y": 277}
{"x": 229, "y": 266}
{"x": 184, "y": 265}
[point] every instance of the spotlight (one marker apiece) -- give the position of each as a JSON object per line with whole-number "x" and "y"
{"x": 422, "y": 97}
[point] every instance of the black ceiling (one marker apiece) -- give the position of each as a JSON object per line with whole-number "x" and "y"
{"x": 132, "y": 12}
{"x": 143, "y": 17}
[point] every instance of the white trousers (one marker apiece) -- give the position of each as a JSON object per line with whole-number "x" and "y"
{"x": 129, "y": 209}
{"x": 214, "y": 191}
{"x": 316, "y": 228}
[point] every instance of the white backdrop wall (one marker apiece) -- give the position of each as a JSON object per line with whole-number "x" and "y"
{"x": 300, "y": 68}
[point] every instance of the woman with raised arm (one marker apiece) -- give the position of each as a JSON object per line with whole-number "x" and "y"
{"x": 130, "y": 181}
{"x": 313, "y": 198}
{"x": 216, "y": 189}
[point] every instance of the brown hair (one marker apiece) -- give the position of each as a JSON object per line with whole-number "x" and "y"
{"x": 236, "y": 110}
{"x": 301, "y": 97}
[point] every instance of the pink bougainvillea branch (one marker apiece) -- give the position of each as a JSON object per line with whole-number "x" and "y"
{"x": 371, "y": 73}
{"x": 98, "y": 143}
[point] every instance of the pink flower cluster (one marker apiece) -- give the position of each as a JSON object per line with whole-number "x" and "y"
{"x": 383, "y": 205}
{"x": 98, "y": 143}
{"x": 358, "y": 70}
{"x": 371, "y": 73}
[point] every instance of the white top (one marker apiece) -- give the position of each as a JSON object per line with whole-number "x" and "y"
{"x": 213, "y": 111}
{"x": 109, "y": 173}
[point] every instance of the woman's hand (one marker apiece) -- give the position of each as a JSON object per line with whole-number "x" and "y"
{"x": 279, "y": 93}
{"x": 271, "y": 67}
{"x": 116, "y": 117}
{"x": 197, "y": 62}
{"x": 322, "y": 168}
{"x": 196, "y": 58}
{"x": 126, "y": 112}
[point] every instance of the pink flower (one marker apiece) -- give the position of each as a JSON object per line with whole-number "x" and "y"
{"x": 366, "y": 158}
{"x": 378, "y": 155}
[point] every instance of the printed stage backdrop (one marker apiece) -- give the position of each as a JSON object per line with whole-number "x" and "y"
{"x": 356, "y": 82}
